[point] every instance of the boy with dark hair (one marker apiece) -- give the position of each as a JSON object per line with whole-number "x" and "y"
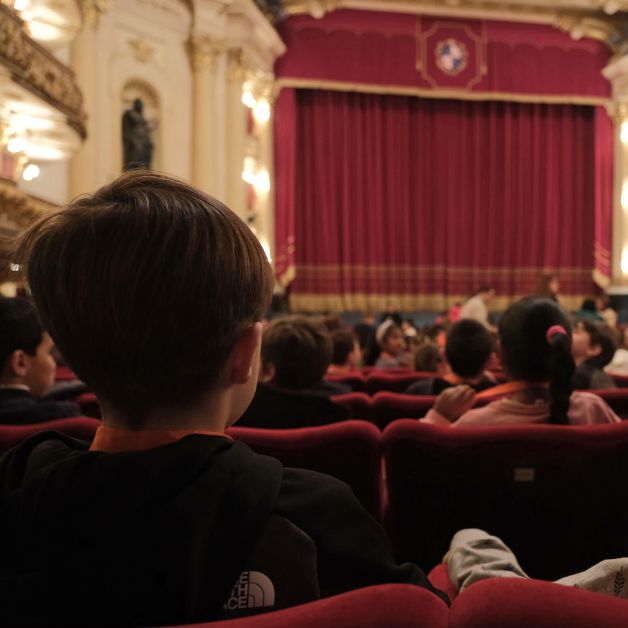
{"x": 468, "y": 349}
{"x": 346, "y": 352}
{"x": 27, "y": 367}
{"x": 593, "y": 347}
{"x": 154, "y": 292}
{"x": 296, "y": 351}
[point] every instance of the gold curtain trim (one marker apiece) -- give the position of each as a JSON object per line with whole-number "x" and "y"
{"x": 456, "y": 94}
{"x": 600, "y": 279}
{"x": 334, "y": 302}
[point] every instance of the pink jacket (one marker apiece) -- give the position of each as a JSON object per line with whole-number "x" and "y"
{"x": 584, "y": 408}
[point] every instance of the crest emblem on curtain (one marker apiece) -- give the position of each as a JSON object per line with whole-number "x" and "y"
{"x": 451, "y": 56}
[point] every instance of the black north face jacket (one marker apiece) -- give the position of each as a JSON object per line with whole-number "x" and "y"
{"x": 198, "y": 530}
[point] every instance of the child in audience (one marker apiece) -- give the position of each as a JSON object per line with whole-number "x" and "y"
{"x": 154, "y": 293}
{"x": 592, "y": 348}
{"x": 429, "y": 359}
{"x": 346, "y": 352}
{"x": 27, "y": 370}
{"x": 535, "y": 343}
{"x": 296, "y": 351}
{"x": 468, "y": 351}
{"x": 392, "y": 346}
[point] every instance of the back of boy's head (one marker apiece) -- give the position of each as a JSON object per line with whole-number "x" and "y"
{"x": 299, "y": 349}
{"x": 145, "y": 286}
{"x": 535, "y": 349}
{"x": 427, "y": 358}
{"x": 20, "y": 328}
{"x": 600, "y": 335}
{"x": 469, "y": 347}
{"x": 343, "y": 343}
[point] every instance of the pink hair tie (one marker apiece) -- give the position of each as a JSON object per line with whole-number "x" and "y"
{"x": 552, "y": 331}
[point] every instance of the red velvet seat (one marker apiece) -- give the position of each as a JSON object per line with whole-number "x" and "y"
{"x": 390, "y": 605}
{"x": 360, "y": 405}
{"x": 356, "y": 381}
{"x": 393, "y": 381}
{"x": 63, "y": 373}
{"x": 82, "y": 428}
{"x": 89, "y": 405}
{"x": 391, "y": 406}
{"x": 555, "y": 494}
{"x": 515, "y": 603}
{"x": 439, "y": 577}
{"x": 350, "y": 451}
{"x": 616, "y": 398}
{"x": 620, "y": 380}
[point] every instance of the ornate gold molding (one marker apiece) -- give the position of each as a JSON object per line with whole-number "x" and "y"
{"x": 577, "y": 26}
{"x": 92, "y": 11}
{"x": 203, "y": 52}
{"x": 19, "y": 206}
{"x": 35, "y": 69}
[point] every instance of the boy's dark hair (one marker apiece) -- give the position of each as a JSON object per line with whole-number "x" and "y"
{"x": 343, "y": 343}
{"x": 600, "y": 336}
{"x": 588, "y": 305}
{"x": 469, "y": 346}
{"x": 427, "y": 358}
{"x": 145, "y": 286}
{"x": 300, "y": 350}
{"x": 528, "y": 354}
{"x": 20, "y": 328}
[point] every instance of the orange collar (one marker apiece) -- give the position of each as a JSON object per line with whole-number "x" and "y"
{"x": 503, "y": 389}
{"x": 116, "y": 440}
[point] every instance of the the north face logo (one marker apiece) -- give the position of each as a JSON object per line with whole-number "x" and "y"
{"x": 252, "y": 590}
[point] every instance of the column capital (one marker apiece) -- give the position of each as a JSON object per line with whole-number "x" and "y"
{"x": 203, "y": 52}
{"x": 93, "y": 10}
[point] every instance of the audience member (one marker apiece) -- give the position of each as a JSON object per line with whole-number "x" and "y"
{"x": 408, "y": 328}
{"x": 476, "y": 307}
{"x": 592, "y": 348}
{"x": 535, "y": 343}
{"x": 602, "y": 304}
{"x": 453, "y": 314}
{"x": 291, "y": 392}
{"x": 164, "y": 520}
{"x": 588, "y": 311}
{"x": 346, "y": 352}
{"x": 365, "y": 331}
{"x": 429, "y": 359}
{"x": 392, "y": 346}
{"x": 547, "y": 286}
{"x": 468, "y": 351}
{"x": 619, "y": 364}
{"x": 392, "y": 314}
{"x": 28, "y": 367}
{"x": 437, "y": 334}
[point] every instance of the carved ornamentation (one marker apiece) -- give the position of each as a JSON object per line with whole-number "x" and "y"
{"x": 202, "y": 52}
{"x": 35, "y": 69}
{"x": 143, "y": 50}
{"x": 93, "y": 10}
{"x": 19, "y": 207}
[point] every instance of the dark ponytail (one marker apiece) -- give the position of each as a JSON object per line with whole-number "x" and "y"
{"x": 561, "y": 372}
{"x": 535, "y": 337}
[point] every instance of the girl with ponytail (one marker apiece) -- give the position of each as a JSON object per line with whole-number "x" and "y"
{"x": 535, "y": 346}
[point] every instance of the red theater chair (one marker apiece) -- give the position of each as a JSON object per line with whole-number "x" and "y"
{"x": 350, "y": 451}
{"x": 516, "y": 603}
{"x": 393, "y": 382}
{"x": 356, "y": 381}
{"x": 360, "y": 405}
{"x": 391, "y": 406}
{"x": 88, "y": 404}
{"x": 390, "y": 605}
{"x": 555, "y": 494}
{"x": 82, "y": 428}
{"x": 616, "y": 398}
{"x": 63, "y": 373}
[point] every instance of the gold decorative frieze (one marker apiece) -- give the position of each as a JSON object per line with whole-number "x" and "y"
{"x": 35, "y": 69}
{"x": 19, "y": 207}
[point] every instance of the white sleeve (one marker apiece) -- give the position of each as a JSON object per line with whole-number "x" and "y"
{"x": 476, "y": 555}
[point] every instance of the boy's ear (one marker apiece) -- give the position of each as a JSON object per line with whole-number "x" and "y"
{"x": 594, "y": 350}
{"x": 16, "y": 364}
{"x": 244, "y": 357}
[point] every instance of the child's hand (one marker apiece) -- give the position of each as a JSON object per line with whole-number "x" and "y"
{"x": 454, "y": 402}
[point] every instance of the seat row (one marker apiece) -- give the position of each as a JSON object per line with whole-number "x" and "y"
{"x": 489, "y": 604}
{"x": 556, "y": 494}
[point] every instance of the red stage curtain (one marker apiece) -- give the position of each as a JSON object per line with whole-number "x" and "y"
{"x": 424, "y": 200}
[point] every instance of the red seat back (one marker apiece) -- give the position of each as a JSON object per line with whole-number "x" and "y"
{"x": 356, "y": 381}
{"x": 390, "y": 605}
{"x": 548, "y": 491}
{"x": 63, "y": 373}
{"x": 89, "y": 405}
{"x": 360, "y": 405}
{"x": 616, "y": 398}
{"x": 393, "y": 382}
{"x": 391, "y": 406}
{"x": 350, "y": 451}
{"x": 516, "y": 603}
{"x": 82, "y": 428}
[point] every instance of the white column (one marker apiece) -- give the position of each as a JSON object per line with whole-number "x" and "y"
{"x": 202, "y": 57}
{"x": 236, "y": 135}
